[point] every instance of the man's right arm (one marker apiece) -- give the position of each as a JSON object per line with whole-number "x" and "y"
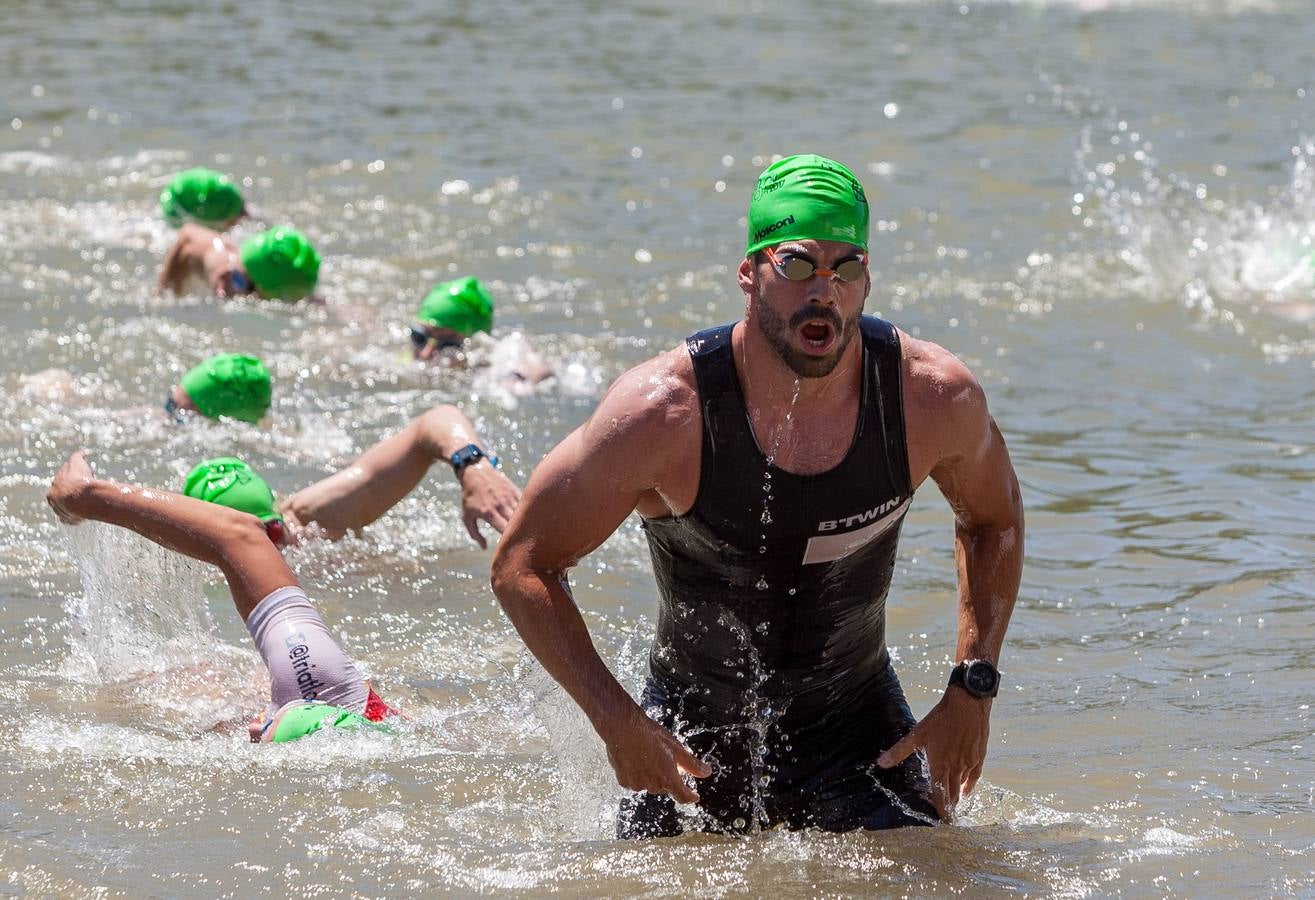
{"x": 581, "y": 492}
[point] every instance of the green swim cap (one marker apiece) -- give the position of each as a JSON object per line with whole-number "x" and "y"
{"x": 281, "y": 263}
{"x": 464, "y": 305}
{"x": 299, "y": 721}
{"x": 807, "y": 197}
{"x": 201, "y": 195}
{"x": 230, "y": 482}
{"x": 230, "y": 384}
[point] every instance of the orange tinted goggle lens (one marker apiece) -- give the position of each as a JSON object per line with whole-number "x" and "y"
{"x": 796, "y": 268}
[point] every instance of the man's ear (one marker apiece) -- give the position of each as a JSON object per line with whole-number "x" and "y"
{"x": 747, "y": 275}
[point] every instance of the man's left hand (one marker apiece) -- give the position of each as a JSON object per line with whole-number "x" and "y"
{"x": 489, "y": 495}
{"x": 954, "y": 735}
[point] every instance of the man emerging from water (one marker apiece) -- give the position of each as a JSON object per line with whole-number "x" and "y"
{"x": 772, "y": 462}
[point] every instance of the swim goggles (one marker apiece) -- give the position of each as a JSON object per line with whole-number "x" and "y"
{"x": 172, "y": 409}
{"x": 421, "y": 337}
{"x": 793, "y": 267}
{"x": 239, "y": 283}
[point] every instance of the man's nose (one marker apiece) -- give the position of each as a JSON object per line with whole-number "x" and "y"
{"x": 821, "y": 290}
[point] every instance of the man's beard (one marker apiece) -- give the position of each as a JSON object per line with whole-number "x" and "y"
{"x": 803, "y": 364}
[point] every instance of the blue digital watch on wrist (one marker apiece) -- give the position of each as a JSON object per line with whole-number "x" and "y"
{"x": 469, "y": 455}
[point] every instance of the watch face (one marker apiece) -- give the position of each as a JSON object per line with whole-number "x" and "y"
{"x": 981, "y": 678}
{"x": 466, "y": 455}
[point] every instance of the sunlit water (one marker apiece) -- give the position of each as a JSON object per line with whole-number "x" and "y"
{"x": 1105, "y": 208}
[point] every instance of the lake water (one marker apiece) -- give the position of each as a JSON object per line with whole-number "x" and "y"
{"x": 1105, "y": 208}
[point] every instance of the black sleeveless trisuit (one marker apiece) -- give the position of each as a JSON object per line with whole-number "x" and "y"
{"x": 770, "y": 657}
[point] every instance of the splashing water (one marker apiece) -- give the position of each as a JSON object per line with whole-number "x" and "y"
{"x": 141, "y": 605}
{"x": 759, "y": 715}
{"x": 1233, "y": 261}
{"x": 784, "y": 430}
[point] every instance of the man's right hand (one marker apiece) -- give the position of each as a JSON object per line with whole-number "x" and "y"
{"x": 647, "y": 757}
{"x": 67, "y": 486}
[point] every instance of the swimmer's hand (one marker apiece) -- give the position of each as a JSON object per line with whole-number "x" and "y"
{"x": 647, "y": 757}
{"x": 488, "y": 495}
{"x": 68, "y": 486}
{"x": 219, "y": 283}
{"x": 954, "y": 735}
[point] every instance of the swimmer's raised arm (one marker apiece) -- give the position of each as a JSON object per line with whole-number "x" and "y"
{"x": 581, "y": 492}
{"x": 362, "y": 492}
{"x": 234, "y": 541}
{"x": 176, "y": 262}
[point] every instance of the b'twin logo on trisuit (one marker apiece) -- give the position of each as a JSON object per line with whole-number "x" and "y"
{"x": 860, "y": 518}
{"x": 833, "y": 544}
{"x": 768, "y": 229}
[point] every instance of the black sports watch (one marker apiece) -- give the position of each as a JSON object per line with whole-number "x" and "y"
{"x": 976, "y": 676}
{"x": 467, "y": 455}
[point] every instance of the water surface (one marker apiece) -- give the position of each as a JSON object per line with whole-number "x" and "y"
{"x": 1105, "y": 208}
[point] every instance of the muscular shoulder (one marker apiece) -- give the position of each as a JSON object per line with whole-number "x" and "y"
{"x": 650, "y": 403}
{"x": 936, "y": 380}
{"x": 945, "y": 410}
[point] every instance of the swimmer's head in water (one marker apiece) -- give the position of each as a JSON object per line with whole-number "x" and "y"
{"x": 462, "y": 305}
{"x": 807, "y": 197}
{"x": 230, "y": 384}
{"x": 298, "y": 720}
{"x": 230, "y": 482}
{"x": 281, "y": 263}
{"x": 203, "y": 196}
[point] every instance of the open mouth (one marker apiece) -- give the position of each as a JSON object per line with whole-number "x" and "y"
{"x": 816, "y": 335}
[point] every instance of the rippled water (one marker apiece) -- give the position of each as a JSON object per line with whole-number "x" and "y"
{"x": 1105, "y": 208}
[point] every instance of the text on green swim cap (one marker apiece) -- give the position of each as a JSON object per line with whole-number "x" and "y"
{"x": 281, "y": 263}
{"x": 299, "y": 721}
{"x": 230, "y": 482}
{"x": 201, "y": 195}
{"x": 230, "y": 384}
{"x": 807, "y": 197}
{"x": 463, "y": 304}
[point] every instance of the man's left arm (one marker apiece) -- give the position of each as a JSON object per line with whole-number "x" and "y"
{"x": 973, "y": 471}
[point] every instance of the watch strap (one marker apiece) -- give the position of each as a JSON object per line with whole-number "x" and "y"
{"x": 468, "y": 455}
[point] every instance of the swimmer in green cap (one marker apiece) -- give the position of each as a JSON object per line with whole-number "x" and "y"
{"x": 278, "y": 263}
{"x": 374, "y": 483}
{"x": 773, "y": 460}
{"x": 313, "y": 685}
{"x": 202, "y": 196}
{"x": 229, "y": 384}
{"x": 450, "y": 313}
{"x": 454, "y": 312}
